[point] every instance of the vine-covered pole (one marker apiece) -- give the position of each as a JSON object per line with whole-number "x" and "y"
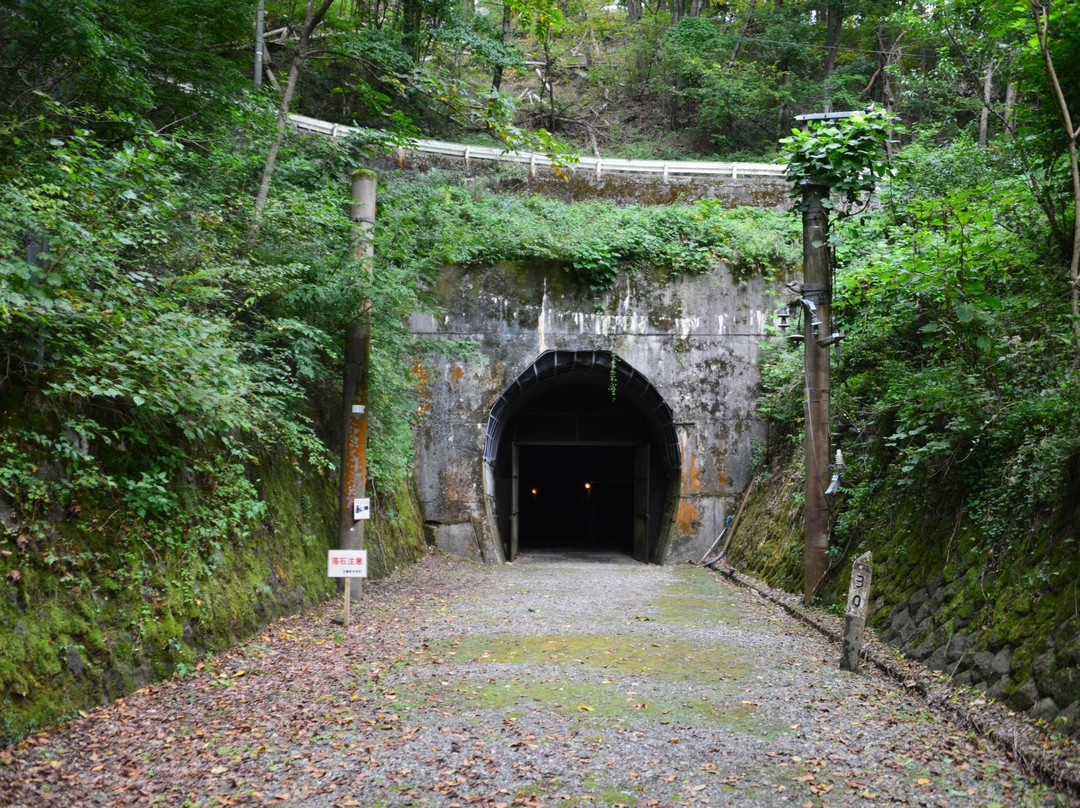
{"x": 817, "y": 289}
{"x": 846, "y": 160}
{"x": 357, "y": 371}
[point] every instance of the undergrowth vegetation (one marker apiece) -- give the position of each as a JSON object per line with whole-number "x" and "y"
{"x": 441, "y": 218}
{"x": 955, "y": 384}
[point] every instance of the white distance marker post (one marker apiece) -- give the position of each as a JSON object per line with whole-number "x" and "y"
{"x": 347, "y": 564}
{"x": 855, "y": 618}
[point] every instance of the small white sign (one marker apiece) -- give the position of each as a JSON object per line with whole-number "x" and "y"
{"x": 347, "y": 564}
{"x": 361, "y": 509}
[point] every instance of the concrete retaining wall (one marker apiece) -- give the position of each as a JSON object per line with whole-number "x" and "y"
{"x": 695, "y": 338}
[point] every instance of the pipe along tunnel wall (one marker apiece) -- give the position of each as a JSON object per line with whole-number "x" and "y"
{"x": 646, "y": 393}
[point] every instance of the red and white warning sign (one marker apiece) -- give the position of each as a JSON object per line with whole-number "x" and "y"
{"x": 346, "y": 564}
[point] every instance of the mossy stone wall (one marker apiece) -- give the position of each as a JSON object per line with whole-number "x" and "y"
{"x": 1006, "y": 623}
{"x": 70, "y": 640}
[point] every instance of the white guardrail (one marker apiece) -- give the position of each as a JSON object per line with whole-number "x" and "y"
{"x": 597, "y": 165}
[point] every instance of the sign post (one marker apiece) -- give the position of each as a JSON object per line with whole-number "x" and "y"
{"x": 347, "y": 564}
{"x": 858, "y": 601}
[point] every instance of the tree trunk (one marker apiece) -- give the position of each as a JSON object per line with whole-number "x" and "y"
{"x": 888, "y": 57}
{"x": 1041, "y": 14}
{"x": 412, "y": 28}
{"x": 507, "y": 19}
{"x": 634, "y": 9}
{"x": 311, "y": 22}
{"x": 834, "y": 23}
{"x": 984, "y": 116}
{"x": 549, "y": 84}
{"x": 259, "y": 44}
{"x": 742, "y": 34}
{"x": 1010, "y": 107}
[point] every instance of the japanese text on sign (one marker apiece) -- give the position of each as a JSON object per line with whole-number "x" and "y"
{"x": 346, "y": 564}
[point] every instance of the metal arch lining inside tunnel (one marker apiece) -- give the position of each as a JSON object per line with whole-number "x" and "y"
{"x": 581, "y": 453}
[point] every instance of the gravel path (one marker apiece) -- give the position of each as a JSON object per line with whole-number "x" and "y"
{"x": 557, "y": 681}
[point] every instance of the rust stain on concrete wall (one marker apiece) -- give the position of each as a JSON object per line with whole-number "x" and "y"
{"x": 686, "y": 517}
{"x": 458, "y": 480}
{"x": 423, "y": 388}
{"x": 692, "y": 476}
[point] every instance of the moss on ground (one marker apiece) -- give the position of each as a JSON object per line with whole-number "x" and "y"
{"x": 547, "y": 672}
{"x": 695, "y": 601}
{"x": 602, "y": 706}
{"x": 619, "y": 654}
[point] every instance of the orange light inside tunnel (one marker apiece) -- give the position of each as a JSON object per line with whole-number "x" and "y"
{"x": 588, "y": 486}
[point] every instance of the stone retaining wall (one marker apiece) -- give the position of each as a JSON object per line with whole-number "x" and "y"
{"x": 939, "y": 626}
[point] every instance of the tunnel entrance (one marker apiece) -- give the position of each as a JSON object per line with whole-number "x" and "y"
{"x": 581, "y": 455}
{"x": 576, "y": 497}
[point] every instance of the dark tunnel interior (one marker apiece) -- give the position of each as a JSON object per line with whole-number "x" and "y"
{"x": 576, "y": 497}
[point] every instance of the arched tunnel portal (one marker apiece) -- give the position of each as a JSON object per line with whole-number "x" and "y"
{"x": 581, "y": 453}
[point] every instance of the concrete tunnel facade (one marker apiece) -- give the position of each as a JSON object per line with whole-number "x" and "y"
{"x": 620, "y": 421}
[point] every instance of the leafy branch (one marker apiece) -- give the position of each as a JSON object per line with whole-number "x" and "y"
{"x": 848, "y": 155}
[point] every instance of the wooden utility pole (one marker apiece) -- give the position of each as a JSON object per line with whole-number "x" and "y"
{"x": 817, "y": 292}
{"x": 357, "y": 370}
